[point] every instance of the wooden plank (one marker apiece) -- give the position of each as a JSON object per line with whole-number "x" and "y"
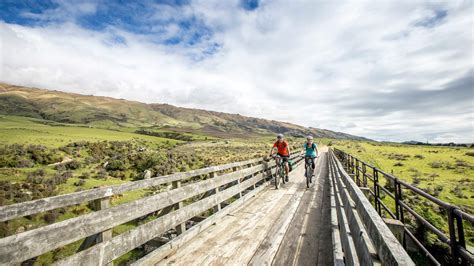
{"x": 45, "y": 204}
{"x": 174, "y": 244}
{"x": 390, "y": 251}
{"x": 106, "y": 252}
{"x": 306, "y": 231}
{"x": 338, "y": 255}
{"x": 348, "y": 247}
{"x": 29, "y": 244}
{"x": 363, "y": 244}
{"x": 269, "y": 246}
{"x": 234, "y": 239}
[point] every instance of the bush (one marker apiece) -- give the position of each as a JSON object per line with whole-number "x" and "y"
{"x": 437, "y": 190}
{"x": 72, "y": 165}
{"x": 102, "y": 174}
{"x": 398, "y": 164}
{"x": 419, "y": 156}
{"x": 79, "y": 183}
{"x": 470, "y": 153}
{"x": 50, "y": 217}
{"x": 416, "y": 180}
{"x": 84, "y": 175}
{"x": 435, "y": 164}
{"x": 115, "y": 165}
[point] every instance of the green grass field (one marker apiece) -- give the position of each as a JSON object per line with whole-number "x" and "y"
{"x": 446, "y": 172}
{"x": 107, "y": 154}
{"x": 23, "y": 130}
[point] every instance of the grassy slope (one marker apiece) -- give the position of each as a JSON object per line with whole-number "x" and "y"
{"x": 108, "y": 112}
{"x": 378, "y": 155}
{"x": 25, "y": 130}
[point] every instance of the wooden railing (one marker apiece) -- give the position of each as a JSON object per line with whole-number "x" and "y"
{"x": 218, "y": 190}
{"x": 360, "y": 236}
{"x": 363, "y": 173}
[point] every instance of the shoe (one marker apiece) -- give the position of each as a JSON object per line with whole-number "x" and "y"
{"x": 286, "y": 179}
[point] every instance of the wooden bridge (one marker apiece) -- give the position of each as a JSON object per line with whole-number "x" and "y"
{"x": 222, "y": 215}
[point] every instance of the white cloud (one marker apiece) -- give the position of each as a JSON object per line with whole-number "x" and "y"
{"x": 309, "y": 62}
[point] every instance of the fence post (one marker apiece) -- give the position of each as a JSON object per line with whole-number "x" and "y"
{"x": 397, "y": 197}
{"x": 181, "y": 227}
{"x": 376, "y": 191}
{"x": 461, "y": 241}
{"x": 252, "y": 175}
{"x": 218, "y": 207}
{"x": 102, "y": 204}
{"x": 364, "y": 174}
{"x": 452, "y": 237}
{"x": 234, "y": 169}
{"x": 357, "y": 172}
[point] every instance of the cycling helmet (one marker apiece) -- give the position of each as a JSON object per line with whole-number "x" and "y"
{"x": 279, "y": 136}
{"x": 309, "y": 137}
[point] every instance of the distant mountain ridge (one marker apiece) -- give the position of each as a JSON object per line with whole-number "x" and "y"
{"x": 105, "y": 111}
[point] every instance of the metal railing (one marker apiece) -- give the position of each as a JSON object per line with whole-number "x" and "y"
{"x": 363, "y": 172}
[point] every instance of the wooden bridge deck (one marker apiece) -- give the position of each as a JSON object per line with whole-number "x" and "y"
{"x": 269, "y": 229}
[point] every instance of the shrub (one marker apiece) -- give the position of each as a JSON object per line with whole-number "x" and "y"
{"x": 437, "y": 190}
{"x": 115, "y": 165}
{"x": 50, "y": 217}
{"x": 84, "y": 175}
{"x": 79, "y": 183}
{"x": 102, "y": 174}
{"x": 470, "y": 153}
{"x": 398, "y": 164}
{"x": 416, "y": 180}
{"x": 435, "y": 164}
{"x": 72, "y": 165}
{"x": 419, "y": 156}
{"x": 457, "y": 190}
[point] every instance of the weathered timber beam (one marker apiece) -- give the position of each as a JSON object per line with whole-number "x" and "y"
{"x": 29, "y": 244}
{"x": 106, "y": 252}
{"x": 13, "y": 211}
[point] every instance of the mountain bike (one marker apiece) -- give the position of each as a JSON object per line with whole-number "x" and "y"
{"x": 280, "y": 170}
{"x": 309, "y": 171}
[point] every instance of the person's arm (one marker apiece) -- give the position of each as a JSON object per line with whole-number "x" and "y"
{"x": 288, "y": 147}
{"x": 316, "y": 149}
{"x": 272, "y": 149}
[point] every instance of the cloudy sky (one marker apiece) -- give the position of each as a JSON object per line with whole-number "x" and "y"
{"x": 387, "y": 70}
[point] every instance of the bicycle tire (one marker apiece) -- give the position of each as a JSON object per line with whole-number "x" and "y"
{"x": 308, "y": 175}
{"x": 276, "y": 179}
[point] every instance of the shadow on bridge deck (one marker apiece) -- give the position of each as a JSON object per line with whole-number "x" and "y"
{"x": 288, "y": 226}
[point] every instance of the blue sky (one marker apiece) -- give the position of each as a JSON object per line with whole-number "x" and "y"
{"x": 389, "y": 70}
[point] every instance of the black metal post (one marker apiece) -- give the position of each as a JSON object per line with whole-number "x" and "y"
{"x": 397, "y": 197}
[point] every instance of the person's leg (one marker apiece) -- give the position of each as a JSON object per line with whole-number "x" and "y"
{"x": 287, "y": 168}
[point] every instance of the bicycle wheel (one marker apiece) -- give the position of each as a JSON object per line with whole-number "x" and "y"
{"x": 277, "y": 181}
{"x": 282, "y": 175}
{"x": 308, "y": 175}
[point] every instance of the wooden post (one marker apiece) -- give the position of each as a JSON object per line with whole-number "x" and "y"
{"x": 252, "y": 175}
{"x": 181, "y": 227}
{"x": 218, "y": 207}
{"x": 238, "y": 180}
{"x": 102, "y": 204}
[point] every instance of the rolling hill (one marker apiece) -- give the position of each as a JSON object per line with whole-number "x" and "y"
{"x": 106, "y": 112}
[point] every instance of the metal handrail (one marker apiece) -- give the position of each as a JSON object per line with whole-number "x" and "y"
{"x": 456, "y": 216}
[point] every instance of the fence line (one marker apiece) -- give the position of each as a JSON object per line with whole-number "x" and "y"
{"x": 201, "y": 196}
{"x": 456, "y": 240}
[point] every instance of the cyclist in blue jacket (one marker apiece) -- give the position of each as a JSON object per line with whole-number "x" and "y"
{"x": 311, "y": 150}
